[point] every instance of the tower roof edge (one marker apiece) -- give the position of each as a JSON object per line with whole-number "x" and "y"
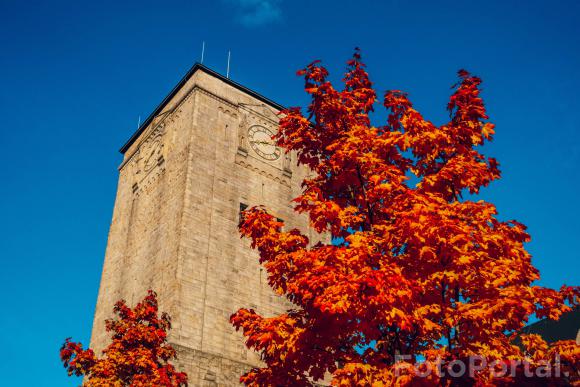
{"x": 196, "y": 67}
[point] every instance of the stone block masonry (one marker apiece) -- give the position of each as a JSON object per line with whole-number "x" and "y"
{"x": 184, "y": 176}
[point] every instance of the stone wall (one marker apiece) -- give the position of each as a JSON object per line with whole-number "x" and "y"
{"x": 174, "y": 226}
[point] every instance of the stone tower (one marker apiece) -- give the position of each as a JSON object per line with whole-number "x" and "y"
{"x": 204, "y": 153}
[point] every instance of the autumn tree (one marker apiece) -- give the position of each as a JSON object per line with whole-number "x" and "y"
{"x": 138, "y": 354}
{"x": 415, "y": 270}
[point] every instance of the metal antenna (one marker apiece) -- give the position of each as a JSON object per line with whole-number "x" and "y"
{"x": 139, "y": 122}
{"x": 202, "y": 51}
{"x": 228, "y": 69}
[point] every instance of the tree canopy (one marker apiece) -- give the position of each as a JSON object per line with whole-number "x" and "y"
{"x": 414, "y": 270}
{"x": 138, "y": 355}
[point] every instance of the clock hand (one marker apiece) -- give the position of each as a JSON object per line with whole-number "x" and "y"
{"x": 261, "y": 142}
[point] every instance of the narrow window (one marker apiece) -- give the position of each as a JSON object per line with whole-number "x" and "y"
{"x": 243, "y": 207}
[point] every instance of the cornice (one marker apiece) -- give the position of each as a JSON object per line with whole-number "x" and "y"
{"x": 196, "y": 67}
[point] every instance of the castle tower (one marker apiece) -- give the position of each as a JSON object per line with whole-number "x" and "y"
{"x": 204, "y": 153}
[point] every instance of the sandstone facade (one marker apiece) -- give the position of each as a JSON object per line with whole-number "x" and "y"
{"x": 184, "y": 176}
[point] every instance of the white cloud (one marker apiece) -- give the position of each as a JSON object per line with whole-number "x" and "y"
{"x": 253, "y": 13}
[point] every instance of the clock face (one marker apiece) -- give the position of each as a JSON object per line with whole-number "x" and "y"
{"x": 152, "y": 155}
{"x": 261, "y": 142}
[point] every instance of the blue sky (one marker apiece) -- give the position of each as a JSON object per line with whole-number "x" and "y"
{"x": 76, "y": 76}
